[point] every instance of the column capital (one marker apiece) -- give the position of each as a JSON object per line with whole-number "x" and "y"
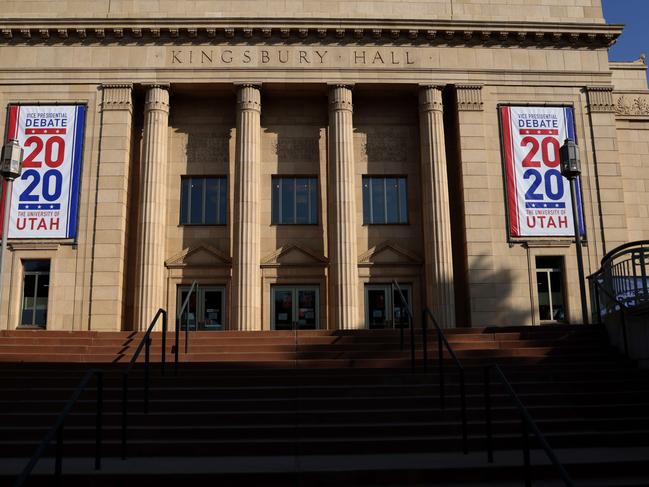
{"x": 340, "y": 97}
{"x": 157, "y": 97}
{"x": 249, "y": 97}
{"x": 117, "y": 96}
{"x": 430, "y": 98}
{"x": 600, "y": 99}
{"x": 469, "y": 97}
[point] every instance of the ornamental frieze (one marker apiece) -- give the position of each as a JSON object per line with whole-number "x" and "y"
{"x": 632, "y": 105}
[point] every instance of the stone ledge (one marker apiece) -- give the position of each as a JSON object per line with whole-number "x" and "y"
{"x": 76, "y": 32}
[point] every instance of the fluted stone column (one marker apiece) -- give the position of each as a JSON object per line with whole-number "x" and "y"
{"x": 440, "y": 296}
{"x": 246, "y": 271}
{"x": 150, "y": 286}
{"x": 343, "y": 283}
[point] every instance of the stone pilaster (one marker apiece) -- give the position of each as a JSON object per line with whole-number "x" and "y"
{"x": 246, "y": 263}
{"x": 607, "y": 164}
{"x": 343, "y": 283}
{"x": 150, "y": 286}
{"x": 107, "y": 305}
{"x": 440, "y": 296}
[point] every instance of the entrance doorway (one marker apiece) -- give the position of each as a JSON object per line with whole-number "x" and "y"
{"x": 383, "y": 306}
{"x": 549, "y": 286}
{"x": 36, "y": 283}
{"x": 295, "y": 307}
{"x": 205, "y": 308}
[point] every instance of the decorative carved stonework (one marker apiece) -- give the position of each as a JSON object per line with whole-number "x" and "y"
{"x": 385, "y": 148}
{"x": 469, "y": 98}
{"x": 600, "y": 99}
{"x": 298, "y": 149}
{"x": 430, "y": 99}
{"x": 632, "y": 106}
{"x": 117, "y": 96}
{"x": 208, "y": 148}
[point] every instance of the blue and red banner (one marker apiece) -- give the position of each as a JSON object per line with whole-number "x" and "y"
{"x": 538, "y": 196}
{"x": 45, "y": 198}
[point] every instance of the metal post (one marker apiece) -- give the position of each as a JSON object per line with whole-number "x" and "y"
{"x": 465, "y": 435}
{"x": 424, "y": 338}
{"x": 164, "y": 342}
{"x": 440, "y": 364}
{"x": 147, "y": 346}
{"x": 487, "y": 413}
{"x": 124, "y": 412}
{"x": 526, "y": 454}
{"x": 5, "y": 232}
{"x": 58, "y": 462}
{"x": 176, "y": 346}
{"x": 623, "y": 323}
{"x": 187, "y": 331}
{"x": 98, "y": 427}
{"x": 412, "y": 343}
{"x": 597, "y": 303}
{"x": 580, "y": 259}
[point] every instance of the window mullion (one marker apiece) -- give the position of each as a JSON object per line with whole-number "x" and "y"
{"x": 203, "y": 202}
{"x": 295, "y": 183}
{"x": 34, "y": 299}
{"x": 371, "y": 199}
{"x": 549, "y": 275}
{"x": 385, "y": 200}
{"x": 280, "y": 193}
{"x": 189, "y": 200}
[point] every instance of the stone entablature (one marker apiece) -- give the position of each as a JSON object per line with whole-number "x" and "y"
{"x": 522, "y": 34}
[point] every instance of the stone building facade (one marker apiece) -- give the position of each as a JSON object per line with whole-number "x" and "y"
{"x": 293, "y": 116}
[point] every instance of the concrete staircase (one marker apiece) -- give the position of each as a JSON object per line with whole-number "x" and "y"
{"x": 327, "y": 408}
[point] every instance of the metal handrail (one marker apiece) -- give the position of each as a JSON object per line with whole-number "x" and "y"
{"x": 624, "y": 272}
{"x": 441, "y": 342}
{"x": 623, "y": 310}
{"x": 179, "y": 314}
{"x": 411, "y": 320}
{"x": 146, "y": 344}
{"x": 528, "y": 425}
{"x": 57, "y": 430}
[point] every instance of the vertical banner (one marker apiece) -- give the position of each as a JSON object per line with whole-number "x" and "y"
{"x": 45, "y": 198}
{"x": 538, "y": 196}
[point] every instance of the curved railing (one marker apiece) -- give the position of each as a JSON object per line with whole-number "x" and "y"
{"x": 623, "y": 278}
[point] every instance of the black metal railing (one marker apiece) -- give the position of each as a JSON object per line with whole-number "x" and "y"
{"x": 179, "y": 315}
{"x": 55, "y": 433}
{"x": 623, "y": 276}
{"x": 527, "y": 425}
{"x": 441, "y": 343}
{"x": 619, "y": 305}
{"x": 146, "y": 344}
{"x": 406, "y": 306}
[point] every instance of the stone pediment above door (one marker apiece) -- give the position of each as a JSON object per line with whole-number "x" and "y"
{"x": 294, "y": 255}
{"x": 388, "y": 253}
{"x": 203, "y": 255}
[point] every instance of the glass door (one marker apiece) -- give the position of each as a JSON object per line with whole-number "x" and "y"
{"x": 294, "y": 307}
{"x": 36, "y": 284}
{"x": 384, "y": 307}
{"x": 205, "y": 309}
{"x": 549, "y": 286}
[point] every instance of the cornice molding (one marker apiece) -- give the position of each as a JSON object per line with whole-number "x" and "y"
{"x": 136, "y": 31}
